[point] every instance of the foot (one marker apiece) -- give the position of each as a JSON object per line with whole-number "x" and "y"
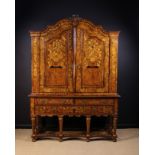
{"x": 34, "y": 139}
{"x": 115, "y": 138}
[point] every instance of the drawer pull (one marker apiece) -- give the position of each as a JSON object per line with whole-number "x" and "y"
{"x": 92, "y": 67}
{"x": 55, "y": 67}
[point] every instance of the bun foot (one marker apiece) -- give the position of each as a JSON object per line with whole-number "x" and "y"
{"x": 34, "y": 139}
{"x": 87, "y": 138}
{"x": 114, "y": 138}
{"x": 60, "y": 139}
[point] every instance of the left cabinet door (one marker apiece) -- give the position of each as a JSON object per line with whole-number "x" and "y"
{"x": 56, "y": 61}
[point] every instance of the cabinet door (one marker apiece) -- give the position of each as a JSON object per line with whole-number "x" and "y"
{"x": 92, "y": 59}
{"x": 56, "y": 61}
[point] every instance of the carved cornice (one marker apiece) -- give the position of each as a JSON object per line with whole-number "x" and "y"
{"x": 74, "y": 20}
{"x": 114, "y": 33}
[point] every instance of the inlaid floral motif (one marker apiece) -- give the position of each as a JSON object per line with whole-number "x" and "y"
{"x": 35, "y": 57}
{"x": 56, "y": 52}
{"x": 93, "y": 49}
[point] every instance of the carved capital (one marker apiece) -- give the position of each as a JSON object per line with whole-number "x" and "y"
{"x": 114, "y": 34}
{"x": 34, "y": 34}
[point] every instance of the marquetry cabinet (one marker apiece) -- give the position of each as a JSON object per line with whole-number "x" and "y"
{"x": 74, "y": 73}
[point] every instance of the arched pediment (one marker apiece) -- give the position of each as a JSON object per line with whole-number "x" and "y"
{"x": 68, "y": 23}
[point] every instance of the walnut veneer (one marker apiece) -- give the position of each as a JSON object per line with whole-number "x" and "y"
{"x": 74, "y": 73}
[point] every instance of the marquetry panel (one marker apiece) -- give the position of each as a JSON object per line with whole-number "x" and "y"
{"x": 35, "y": 62}
{"x": 113, "y": 61}
{"x": 94, "y": 101}
{"x": 50, "y": 101}
{"x": 92, "y": 59}
{"x": 56, "y": 59}
{"x": 73, "y": 110}
{"x": 49, "y": 110}
{"x": 94, "y": 110}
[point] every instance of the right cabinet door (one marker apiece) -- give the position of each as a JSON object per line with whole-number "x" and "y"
{"x": 92, "y": 59}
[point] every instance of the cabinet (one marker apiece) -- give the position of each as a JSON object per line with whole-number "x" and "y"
{"x": 74, "y": 73}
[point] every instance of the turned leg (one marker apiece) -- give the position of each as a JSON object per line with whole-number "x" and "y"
{"x": 33, "y": 129}
{"x": 114, "y": 135}
{"x": 60, "y": 127}
{"x": 88, "y": 120}
{"x": 37, "y": 124}
{"x": 109, "y": 124}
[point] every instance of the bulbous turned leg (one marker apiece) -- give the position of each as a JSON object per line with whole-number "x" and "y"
{"x": 33, "y": 129}
{"x": 34, "y": 139}
{"x": 60, "y": 128}
{"x": 114, "y": 135}
{"x": 114, "y": 139}
{"x": 38, "y": 124}
{"x": 109, "y": 125}
{"x": 88, "y": 121}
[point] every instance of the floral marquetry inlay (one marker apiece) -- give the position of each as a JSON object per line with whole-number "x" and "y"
{"x": 73, "y": 110}
{"x": 93, "y": 49}
{"x": 56, "y": 52}
{"x": 35, "y": 56}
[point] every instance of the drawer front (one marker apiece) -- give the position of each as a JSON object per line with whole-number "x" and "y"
{"x": 94, "y": 110}
{"x": 94, "y": 101}
{"x": 47, "y": 110}
{"x": 54, "y": 101}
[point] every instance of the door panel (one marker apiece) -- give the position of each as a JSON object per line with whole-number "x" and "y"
{"x": 92, "y": 61}
{"x": 56, "y": 63}
{"x": 76, "y": 59}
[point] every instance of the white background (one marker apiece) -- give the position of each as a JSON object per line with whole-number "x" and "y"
{"x": 147, "y": 77}
{"x": 7, "y": 77}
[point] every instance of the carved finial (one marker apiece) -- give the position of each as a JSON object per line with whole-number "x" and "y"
{"x": 75, "y": 19}
{"x": 75, "y": 16}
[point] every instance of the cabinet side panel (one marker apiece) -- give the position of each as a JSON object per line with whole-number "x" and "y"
{"x": 35, "y": 63}
{"x": 113, "y": 61}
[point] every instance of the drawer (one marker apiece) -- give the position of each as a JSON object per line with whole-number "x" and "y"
{"x": 94, "y": 110}
{"x": 54, "y": 101}
{"x": 47, "y": 110}
{"x": 94, "y": 101}
{"x": 44, "y": 110}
